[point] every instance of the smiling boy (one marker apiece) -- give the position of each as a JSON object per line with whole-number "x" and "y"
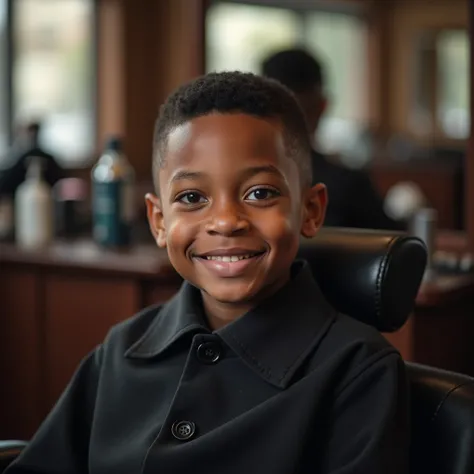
{"x": 247, "y": 369}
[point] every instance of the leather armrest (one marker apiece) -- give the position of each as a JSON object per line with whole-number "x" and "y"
{"x": 9, "y": 450}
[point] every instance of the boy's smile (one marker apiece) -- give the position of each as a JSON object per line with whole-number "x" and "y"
{"x": 232, "y": 208}
{"x": 229, "y": 262}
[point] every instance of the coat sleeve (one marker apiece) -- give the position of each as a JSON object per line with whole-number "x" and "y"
{"x": 61, "y": 445}
{"x": 369, "y": 425}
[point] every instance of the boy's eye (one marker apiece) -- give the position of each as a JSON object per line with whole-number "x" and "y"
{"x": 191, "y": 198}
{"x": 262, "y": 194}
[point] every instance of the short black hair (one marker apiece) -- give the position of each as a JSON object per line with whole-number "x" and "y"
{"x": 234, "y": 92}
{"x": 295, "y": 68}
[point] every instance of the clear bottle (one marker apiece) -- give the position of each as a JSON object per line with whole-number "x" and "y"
{"x": 113, "y": 197}
{"x": 34, "y": 209}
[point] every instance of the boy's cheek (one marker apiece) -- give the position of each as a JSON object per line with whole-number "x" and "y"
{"x": 278, "y": 227}
{"x": 180, "y": 233}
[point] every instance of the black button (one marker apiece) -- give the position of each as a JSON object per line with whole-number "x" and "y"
{"x": 183, "y": 430}
{"x": 209, "y": 352}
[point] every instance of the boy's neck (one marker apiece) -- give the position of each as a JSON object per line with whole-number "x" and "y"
{"x": 220, "y": 314}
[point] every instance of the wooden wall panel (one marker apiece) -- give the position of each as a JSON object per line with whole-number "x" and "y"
{"x": 404, "y": 340}
{"x": 21, "y": 354}
{"x": 407, "y": 18}
{"x": 469, "y": 174}
{"x": 79, "y": 311}
{"x": 146, "y": 50}
{"x": 111, "y": 70}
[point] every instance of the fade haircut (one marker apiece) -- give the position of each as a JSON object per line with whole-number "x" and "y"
{"x": 233, "y": 93}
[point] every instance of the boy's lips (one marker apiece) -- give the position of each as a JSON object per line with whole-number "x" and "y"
{"x": 231, "y": 262}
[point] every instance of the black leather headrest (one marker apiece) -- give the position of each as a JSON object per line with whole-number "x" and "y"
{"x": 373, "y": 276}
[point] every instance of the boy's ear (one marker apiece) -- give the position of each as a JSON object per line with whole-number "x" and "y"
{"x": 155, "y": 219}
{"x": 314, "y": 204}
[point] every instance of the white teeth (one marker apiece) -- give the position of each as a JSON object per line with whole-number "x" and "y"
{"x": 233, "y": 258}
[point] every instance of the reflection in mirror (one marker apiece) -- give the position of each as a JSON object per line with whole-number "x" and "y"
{"x": 440, "y": 93}
{"x": 53, "y": 73}
{"x": 3, "y": 67}
{"x": 397, "y": 80}
{"x": 453, "y": 89}
{"x": 240, "y": 36}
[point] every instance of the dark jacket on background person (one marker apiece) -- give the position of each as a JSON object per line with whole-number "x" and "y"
{"x": 14, "y": 171}
{"x": 353, "y": 200}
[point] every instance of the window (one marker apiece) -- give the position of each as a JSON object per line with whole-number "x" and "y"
{"x": 453, "y": 83}
{"x": 239, "y": 36}
{"x": 440, "y": 106}
{"x": 3, "y": 78}
{"x": 340, "y": 41}
{"x": 52, "y": 74}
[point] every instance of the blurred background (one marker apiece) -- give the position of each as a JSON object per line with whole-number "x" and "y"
{"x": 396, "y": 75}
{"x": 81, "y": 83}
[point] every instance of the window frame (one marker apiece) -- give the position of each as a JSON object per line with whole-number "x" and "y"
{"x": 349, "y": 7}
{"x": 430, "y": 81}
{"x": 9, "y": 111}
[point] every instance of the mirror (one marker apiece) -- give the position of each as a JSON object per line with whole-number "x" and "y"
{"x": 397, "y": 80}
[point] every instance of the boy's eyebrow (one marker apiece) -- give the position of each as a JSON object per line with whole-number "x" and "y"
{"x": 252, "y": 171}
{"x": 184, "y": 174}
{"x": 248, "y": 172}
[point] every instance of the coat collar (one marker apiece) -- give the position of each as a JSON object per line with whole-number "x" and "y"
{"x": 273, "y": 339}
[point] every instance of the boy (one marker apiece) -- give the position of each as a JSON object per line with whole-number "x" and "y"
{"x": 247, "y": 369}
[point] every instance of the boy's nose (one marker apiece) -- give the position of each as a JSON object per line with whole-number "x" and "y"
{"x": 227, "y": 220}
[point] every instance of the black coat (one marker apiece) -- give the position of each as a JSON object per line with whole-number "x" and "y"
{"x": 353, "y": 200}
{"x": 290, "y": 387}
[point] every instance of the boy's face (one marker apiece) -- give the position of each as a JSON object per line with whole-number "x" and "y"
{"x": 231, "y": 208}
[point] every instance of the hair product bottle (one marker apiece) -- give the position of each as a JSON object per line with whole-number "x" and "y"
{"x": 113, "y": 197}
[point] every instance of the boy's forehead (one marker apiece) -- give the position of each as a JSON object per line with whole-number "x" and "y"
{"x": 229, "y": 133}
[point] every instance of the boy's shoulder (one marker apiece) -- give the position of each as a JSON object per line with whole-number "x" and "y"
{"x": 298, "y": 318}
{"x": 128, "y": 332}
{"x": 352, "y": 332}
{"x": 351, "y": 348}
{"x": 339, "y": 336}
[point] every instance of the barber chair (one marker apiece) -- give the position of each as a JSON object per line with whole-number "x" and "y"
{"x": 374, "y": 276}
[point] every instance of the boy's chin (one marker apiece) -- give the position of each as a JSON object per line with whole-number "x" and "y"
{"x": 233, "y": 293}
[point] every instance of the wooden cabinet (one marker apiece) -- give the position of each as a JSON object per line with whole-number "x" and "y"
{"x": 78, "y": 312}
{"x": 21, "y": 368}
{"x": 440, "y": 330}
{"x": 55, "y": 307}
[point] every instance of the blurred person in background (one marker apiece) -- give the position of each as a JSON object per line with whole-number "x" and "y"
{"x": 353, "y": 200}
{"x": 15, "y": 164}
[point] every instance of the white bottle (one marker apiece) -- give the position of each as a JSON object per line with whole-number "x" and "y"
{"x": 34, "y": 209}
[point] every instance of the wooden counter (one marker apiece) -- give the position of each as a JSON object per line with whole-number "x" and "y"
{"x": 57, "y": 305}
{"x": 441, "y": 329}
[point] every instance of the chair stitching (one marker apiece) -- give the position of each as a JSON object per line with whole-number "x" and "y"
{"x": 381, "y": 271}
{"x": 441, "y": 403}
